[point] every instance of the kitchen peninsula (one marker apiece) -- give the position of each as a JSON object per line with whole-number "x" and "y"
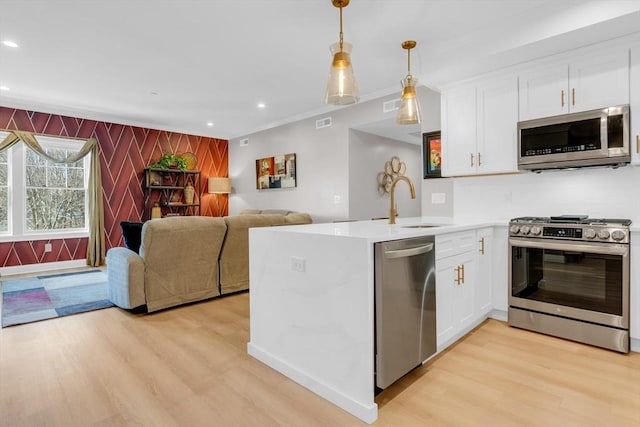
{"x": 312, "y": 299}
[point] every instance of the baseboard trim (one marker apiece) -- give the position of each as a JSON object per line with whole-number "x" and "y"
{"x": 366, "y": 413}
{"x": 635, "y": 345}
{"x": 498, "y": 315}
{"x": 41, "y": 267}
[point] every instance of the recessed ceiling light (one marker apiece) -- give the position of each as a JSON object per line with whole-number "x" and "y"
{"x": 261, "y": 105}
{"x": 4, "y": 88}
{"x": 9, "y": 43}
{"x": 210, "y": 124}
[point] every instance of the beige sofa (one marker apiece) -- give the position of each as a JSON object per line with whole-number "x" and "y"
{"x": 186, "y": 259}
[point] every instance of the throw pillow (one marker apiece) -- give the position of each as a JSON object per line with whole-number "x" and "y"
{"x": 132, "y": 234}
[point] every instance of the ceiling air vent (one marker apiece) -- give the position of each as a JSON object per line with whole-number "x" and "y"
{"x": 323, "y": 123}
{"x": 244, "y": 142}
{"x": 392, "y": 105}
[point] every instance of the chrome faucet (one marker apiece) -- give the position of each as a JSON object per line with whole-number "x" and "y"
{"x": 393, "y": 212}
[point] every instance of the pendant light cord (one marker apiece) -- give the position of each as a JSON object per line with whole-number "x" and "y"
{"x": 409, "y": 63}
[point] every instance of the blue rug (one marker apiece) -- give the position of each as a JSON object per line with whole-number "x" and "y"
{"x": 45, "y": 297}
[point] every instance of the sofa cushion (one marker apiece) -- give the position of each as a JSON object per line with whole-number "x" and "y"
{"x": 132, "y": 234}
{"x": 275, "y": 212}
{"x": 249, "y": 211}
{"x": 234, "y": 257}
{"x": 297, "y": 218}
{"x": 180, "y": 256}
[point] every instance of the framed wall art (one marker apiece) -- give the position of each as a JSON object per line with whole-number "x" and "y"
{"x": 276, "y": 172}
{"x": 431, "y": 155}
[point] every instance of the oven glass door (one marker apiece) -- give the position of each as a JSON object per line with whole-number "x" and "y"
{"x": 589, "y": 278}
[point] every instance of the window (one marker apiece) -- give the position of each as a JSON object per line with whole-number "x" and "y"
{"x": 41, "y": 199}
{"x": 4, "y": 191}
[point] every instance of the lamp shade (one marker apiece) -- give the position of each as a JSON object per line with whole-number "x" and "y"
{"x": 342, "y": 88}
{"x": 409, "y": 112}
{"x": 220, "y": 185}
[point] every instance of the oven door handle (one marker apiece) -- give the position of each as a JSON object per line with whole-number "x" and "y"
{"x": 607, "y": 248}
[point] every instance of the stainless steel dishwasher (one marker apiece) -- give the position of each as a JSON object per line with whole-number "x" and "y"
{"x": 405, "y": 306}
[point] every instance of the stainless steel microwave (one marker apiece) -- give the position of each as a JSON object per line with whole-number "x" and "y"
{"x": 590, "y": 138}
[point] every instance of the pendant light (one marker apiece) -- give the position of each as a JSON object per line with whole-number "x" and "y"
{"x": 409, "y": 112}
{"x": 342, "y": 88}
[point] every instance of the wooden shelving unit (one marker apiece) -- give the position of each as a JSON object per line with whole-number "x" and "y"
{"x": 166, "y": 188}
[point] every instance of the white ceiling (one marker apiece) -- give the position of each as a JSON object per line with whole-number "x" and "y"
{"x": 178, "y": 64}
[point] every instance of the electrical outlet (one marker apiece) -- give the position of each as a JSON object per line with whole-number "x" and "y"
{"x": 47, "y": 247}
{"x": 298, "y": 264}
{"x": 438, "y": 198}
{"x": 336, "y": 199}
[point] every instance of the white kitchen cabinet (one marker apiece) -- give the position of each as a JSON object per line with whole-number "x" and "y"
{"x": 634, "y": 92}
{"x": 459, "y": 131}
{"x": 455, "y": 287}
{"x": 484, "y": 280}
{"x": 479, "y": 127}
{"x": 634, "y": 292}
{"x": 454, "y": 244}
{"x": 589, "y": 82}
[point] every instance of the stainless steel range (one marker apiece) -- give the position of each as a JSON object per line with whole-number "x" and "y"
{"x": 570, "y": 278}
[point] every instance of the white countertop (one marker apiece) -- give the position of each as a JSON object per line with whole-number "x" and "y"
{"x": 381, "y": 230}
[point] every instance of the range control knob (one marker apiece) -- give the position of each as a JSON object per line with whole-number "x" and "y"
{"x": 535, "y": 230}
{"x": 590, "y": 233}
{"x": 514, "y": 229}
{"x": 603, "y": 234}
{"x": 618, "y": 235}
{"x": 525, "y": 229}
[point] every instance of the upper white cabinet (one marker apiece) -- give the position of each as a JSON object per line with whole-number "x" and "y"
{"x": 497, "y": 130}
{"x": 635, "y": 104}
{"x": 593, "y": 81}
{"x": 479, "y": 124}
{"x": 459, "y": 131}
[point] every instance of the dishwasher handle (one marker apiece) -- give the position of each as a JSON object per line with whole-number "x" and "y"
{"x": 403, "y": 253}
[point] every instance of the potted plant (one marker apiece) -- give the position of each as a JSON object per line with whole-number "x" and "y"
{"x": 170, "y": 161}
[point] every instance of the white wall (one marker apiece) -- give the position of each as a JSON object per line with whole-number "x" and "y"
{"x": 321, "y": 170}
{"x": 367, "y": 156}
{"x": 599, "y": 193}
{"x": 324, "y": 159}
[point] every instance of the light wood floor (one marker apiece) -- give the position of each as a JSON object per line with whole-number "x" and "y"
{"x": 188, "y": 366}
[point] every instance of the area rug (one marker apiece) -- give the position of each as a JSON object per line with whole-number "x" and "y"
{"x": 45, "y": 297}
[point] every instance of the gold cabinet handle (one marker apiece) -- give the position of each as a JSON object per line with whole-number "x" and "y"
{"x": 573, "y": 96}
{"x": 479, "y": 160}
{"x": 458, "y": 279}
{"x": 562, "y": 98}
{"x": 462, "y": 268}
{"x": 471, "y": 154}
{"x": 481, "y": 241}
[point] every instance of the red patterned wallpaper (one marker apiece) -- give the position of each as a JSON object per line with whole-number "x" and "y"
{"x": 124, "y": 152}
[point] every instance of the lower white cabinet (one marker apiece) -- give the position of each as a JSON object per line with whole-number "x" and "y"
{"x": 454, "y": 296}
{"x": 484, "y": 281}
{"x": 463, "y": 283}
{"x": 634, "y": 291}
